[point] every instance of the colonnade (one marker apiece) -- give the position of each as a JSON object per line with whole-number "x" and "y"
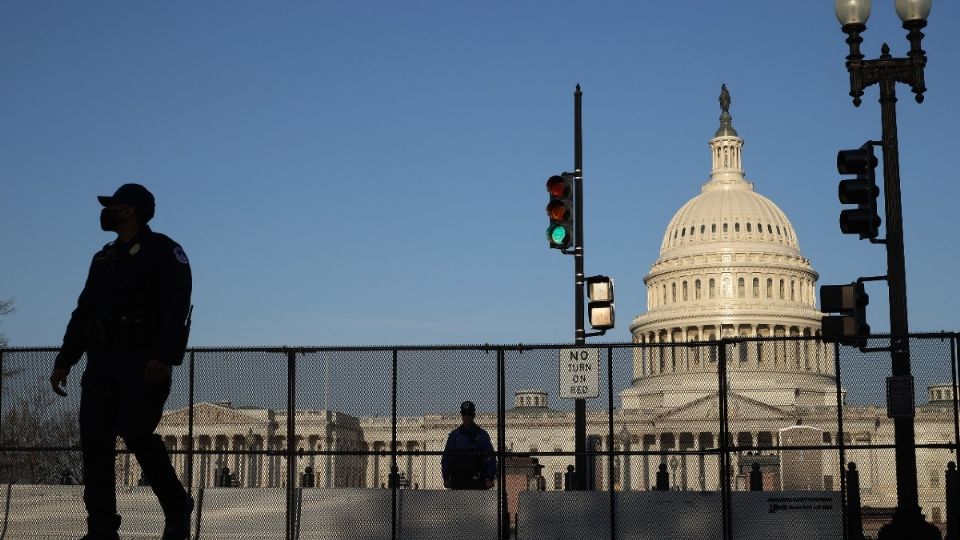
{"x": 249, "y": 466}
{"x": 661, "y": 353}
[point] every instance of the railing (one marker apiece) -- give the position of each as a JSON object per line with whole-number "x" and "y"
{"x": 702, "y": 413}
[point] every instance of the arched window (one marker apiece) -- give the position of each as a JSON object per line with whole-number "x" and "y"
{"x": 769, "y": 288}
{"x": 702, "y": 228}
{"x": 713, "y": 228}
{"x": 756, "y": 287}
{"x": 748, "y": 227}
{"x": 664, "y": 294}
{"x": 724, "y": 227}
{"x": 736, "y": 227}
{"x": 691, "y": 230}
{"x": 741, "y": 289}
{"x": 778, "y": 230}
{"x": 685, "y": 291}
{"x": 793, "y": 287}
{"x": 696, "y": 289}
{"x": 683, "y": 232}
{"x": 712, "y": 288}
{"x": 673, "y": 292}
{"x": 769, "y": 229}
{"x": 782, "y": 295}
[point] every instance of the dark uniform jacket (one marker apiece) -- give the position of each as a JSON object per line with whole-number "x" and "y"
{"x": 136, "y": 298}
{"x": 468, "y": 457}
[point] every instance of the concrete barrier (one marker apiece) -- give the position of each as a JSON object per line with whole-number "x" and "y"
{"x": 50, "y": 512}
{"x": 345, "y": 514}
{"x": 232, "y": 513}
{"x": 365, "y": 514}
{"x": 549, "y": 515}
{"x": 42, "y": 511}
{"x": 57, "y": 512}
{"x": 444, "y": 514}
{"x": 680, "y": 515}
{"x": 786, "y": 515}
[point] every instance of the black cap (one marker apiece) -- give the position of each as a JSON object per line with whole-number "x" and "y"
{"x": 468, "y": 408}
{"x": 136, "y": 196}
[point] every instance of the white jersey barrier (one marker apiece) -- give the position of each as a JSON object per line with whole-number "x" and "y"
{"x": 680, "y": 515}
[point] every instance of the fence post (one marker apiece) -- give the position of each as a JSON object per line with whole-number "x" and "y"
{"x": 503, "y": 513}
{"x": 190, "y": 398}
{"x": 724, "y": 440}
{"x": 2, "y": 383}
{"x": 956, "y": 396}
{"x": 854, "y": 518}
{"x": 840, "y": 439}
{"x": 610, "y": 477}
{"x": 663, "y": 478}
{"x": 393, "y": 452}
{"x": 756, "y": 478}
{"x": 953, "y": 502}
{"x": 291, "y": 447}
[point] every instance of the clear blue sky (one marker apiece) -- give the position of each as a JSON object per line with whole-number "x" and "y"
{"x": 373, "y": 172}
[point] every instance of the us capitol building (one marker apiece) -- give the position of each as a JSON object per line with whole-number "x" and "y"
{"x": 730, "y": 265}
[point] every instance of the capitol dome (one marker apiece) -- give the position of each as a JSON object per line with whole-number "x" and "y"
{"x": 729, "y": 266}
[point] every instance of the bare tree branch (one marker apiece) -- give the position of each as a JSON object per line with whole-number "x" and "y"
{"x": 6, "y": 308}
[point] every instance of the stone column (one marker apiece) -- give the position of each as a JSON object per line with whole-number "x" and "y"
{"x": 701, "y": 464}
{"x": 647, "y": 441}
{"x": 411, "y": 445}
{"x": 625, "y": 464}
{"x": 687, "y": 442}
{"x": 332, "y": 461}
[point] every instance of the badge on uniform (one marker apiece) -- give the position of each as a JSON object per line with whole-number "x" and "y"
{"x": 135, "y": 249}
{"x": 180, "y": 255}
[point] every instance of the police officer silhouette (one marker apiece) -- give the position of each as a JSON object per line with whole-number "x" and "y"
{"x": 132, "y": 322}
{"x": 468, "y": 460}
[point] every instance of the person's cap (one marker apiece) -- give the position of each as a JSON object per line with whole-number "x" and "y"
{"x": 468, "y": 408}
{"x": 134, "y": 195}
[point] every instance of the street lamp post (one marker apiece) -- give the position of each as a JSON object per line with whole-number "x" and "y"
{"x": 886, "y": 71}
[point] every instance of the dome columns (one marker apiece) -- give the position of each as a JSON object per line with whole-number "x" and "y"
{"x": 661, "y": 352}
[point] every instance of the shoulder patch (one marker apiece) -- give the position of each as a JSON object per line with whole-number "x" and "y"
{"x": 180, "y": 255}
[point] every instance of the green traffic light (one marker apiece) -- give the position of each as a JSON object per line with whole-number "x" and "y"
{"x": 559, "y": 235}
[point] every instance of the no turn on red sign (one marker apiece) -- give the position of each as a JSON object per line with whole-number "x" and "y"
{"x": 579, "y": 373}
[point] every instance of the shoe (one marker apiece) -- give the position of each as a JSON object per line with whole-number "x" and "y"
{"x": 177, "y": 527}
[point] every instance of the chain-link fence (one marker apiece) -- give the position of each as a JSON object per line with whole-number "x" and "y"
{"x": 731, "y": 439}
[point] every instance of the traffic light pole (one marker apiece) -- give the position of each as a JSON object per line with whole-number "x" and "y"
{"x": 580, "y": 405}
{"x": 908, "y": 520}
{"x": 908, "y": 507}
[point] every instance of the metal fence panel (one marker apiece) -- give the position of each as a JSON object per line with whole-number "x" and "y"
{"x": 744, "y": 403}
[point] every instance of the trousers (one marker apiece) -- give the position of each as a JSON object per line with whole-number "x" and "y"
{"x": 116, "y": 401}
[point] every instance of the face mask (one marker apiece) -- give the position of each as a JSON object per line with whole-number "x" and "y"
{"x": 108, "y": 220}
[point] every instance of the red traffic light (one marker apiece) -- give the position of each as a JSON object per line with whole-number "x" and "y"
{"x": 558, "y": 186}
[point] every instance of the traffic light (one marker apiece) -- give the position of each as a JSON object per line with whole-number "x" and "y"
{"x": 861, "y": 191}
{"x": 850, "y": 301}
{"x": 600, "y": 308}
{"x": 560, "y": 211}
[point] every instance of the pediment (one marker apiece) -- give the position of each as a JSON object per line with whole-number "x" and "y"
{"x": 739, "y": 407}
{"x": 208, "y": 414}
